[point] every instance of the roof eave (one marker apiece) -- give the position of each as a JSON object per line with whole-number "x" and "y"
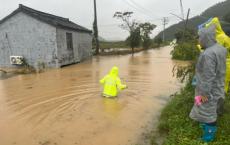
{"x": 78, "y": 30}
{"x": 20, "y": 9}
{"x": 10, "y": 15}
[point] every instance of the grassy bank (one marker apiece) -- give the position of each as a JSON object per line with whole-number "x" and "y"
{"x": 121, "y": 48}
{"x": 179, "y": 129}
{"x": 118, "y": 44}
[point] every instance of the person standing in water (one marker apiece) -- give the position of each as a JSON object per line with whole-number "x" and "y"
{"x": 112, "y": 83}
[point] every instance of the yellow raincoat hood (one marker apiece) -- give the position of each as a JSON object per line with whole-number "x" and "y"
{"x": 223, "y": 40}
{"x": 114, "y": 71}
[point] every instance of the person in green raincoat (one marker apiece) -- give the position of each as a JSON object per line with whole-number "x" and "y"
{"x": 112, "y": 83}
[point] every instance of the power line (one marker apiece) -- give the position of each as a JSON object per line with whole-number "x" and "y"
{"x": 182, "y": 9}
{"x": 141, "y": 7}
{"x": 137, "y": 8}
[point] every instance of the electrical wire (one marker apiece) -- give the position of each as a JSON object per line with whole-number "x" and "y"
{"x": 141, "y": 7}
{"x": 138, "y": 9}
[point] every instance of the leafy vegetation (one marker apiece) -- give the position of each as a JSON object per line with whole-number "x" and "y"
{"x": 227, "y": 28}
{"x": 181, "y": 130}
{"x": 174, "y": 122}
{"x": 138, "y": 32}
{"x": 108, "y": 45}
{"x": 146, "y": 29}
{"x": 185, "y": 51}
{"x": 186, "y": 48}
{"x": 131, "y": 26}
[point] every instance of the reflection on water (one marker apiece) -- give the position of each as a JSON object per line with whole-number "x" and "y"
{"x": 65, "y": 107}
{"x": 112, "y": 107}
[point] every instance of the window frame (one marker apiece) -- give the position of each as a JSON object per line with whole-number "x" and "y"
{"x": 69, "y": 41}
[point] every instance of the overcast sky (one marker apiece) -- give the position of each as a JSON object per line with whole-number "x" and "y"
{"x": 81, "y": 11}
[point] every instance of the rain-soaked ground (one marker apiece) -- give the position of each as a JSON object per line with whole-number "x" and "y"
{"x": 65, "y": 107}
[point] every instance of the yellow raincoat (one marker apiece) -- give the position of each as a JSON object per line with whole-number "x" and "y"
{"x": 112, "y": 83}
{"x": 223, "y": 40}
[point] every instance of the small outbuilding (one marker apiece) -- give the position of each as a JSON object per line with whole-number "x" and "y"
{"x": 34, "y": 37}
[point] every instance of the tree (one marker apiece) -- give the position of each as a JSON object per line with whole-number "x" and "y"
{"x": 158, "y": 41}
{"x": 146, "y": 30}
{"x": 131, "y": 26}
{"x": 227, "y": 27}
{"x": 187, "y": 35}
{"x": 134, "y": 39}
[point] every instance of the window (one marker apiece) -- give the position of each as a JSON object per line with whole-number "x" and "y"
{"x": 69, "y": 41}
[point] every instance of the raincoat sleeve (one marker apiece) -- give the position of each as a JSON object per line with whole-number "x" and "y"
{"x": 102, "y": 81}
{"x": 120, "y": 86}
{"x": 208, "y": 75}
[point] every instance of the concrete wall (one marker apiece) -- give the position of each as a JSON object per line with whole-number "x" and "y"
{"x": 22, "y": 35}
{"x": 82, "y": 46}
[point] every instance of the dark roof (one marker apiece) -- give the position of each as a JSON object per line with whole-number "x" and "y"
{"x": 48, "y": 18}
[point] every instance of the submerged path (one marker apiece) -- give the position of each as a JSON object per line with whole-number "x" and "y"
{"x": 65, "y": 107}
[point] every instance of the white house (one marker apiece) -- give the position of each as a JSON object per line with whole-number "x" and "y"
{"x": 38, "y": 37}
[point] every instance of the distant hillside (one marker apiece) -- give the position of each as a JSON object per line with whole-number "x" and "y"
{"x": 102, "y": 39}
{"x": 218, "y": 10}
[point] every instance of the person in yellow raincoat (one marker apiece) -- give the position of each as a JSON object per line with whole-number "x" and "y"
{"x": 223, "y": 40}
{"x": 112, "y": 83}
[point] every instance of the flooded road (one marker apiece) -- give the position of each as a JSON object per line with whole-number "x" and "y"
{"x": 65, "y": 107}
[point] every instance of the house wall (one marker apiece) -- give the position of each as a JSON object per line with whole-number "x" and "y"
{"x": 82, "y": 46}
{"x": 22, "y": 35}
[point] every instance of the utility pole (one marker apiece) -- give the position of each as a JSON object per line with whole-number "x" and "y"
{"x": 95, "y": 28}
{"x": 185, "y": 24}
{"x": 182, "y": 9}
{"x": 165, "y": 22}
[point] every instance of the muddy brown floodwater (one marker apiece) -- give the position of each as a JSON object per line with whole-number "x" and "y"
{"x": 65, "y": 107}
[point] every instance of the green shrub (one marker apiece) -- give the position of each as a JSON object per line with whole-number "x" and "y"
{"x": 181, "y": 130}
{"x": 185, "y": 51}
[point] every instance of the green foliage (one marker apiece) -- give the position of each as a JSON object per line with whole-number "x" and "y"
{"x": 146, "y": 29}
{"x": 132, "y": 26}
{"x": 226, "y": 25}
{"x": 184, "y": 73}
{"x": 128, "y": 24}
{"x": 118, "y": 44}
{"x": 227, "y": 17}
{"x": 138, "y": 32}
{"x": 174, "y": 120}
{"x": 134, "y": 39}
{"x": 218, "y": 10}
{"x": 158, "y": 41}
{"x": 27, "y": 68}
{"x": 188, "y": 35}
{"x": 181, "y": 130}
{"x": 185, "y": 51}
